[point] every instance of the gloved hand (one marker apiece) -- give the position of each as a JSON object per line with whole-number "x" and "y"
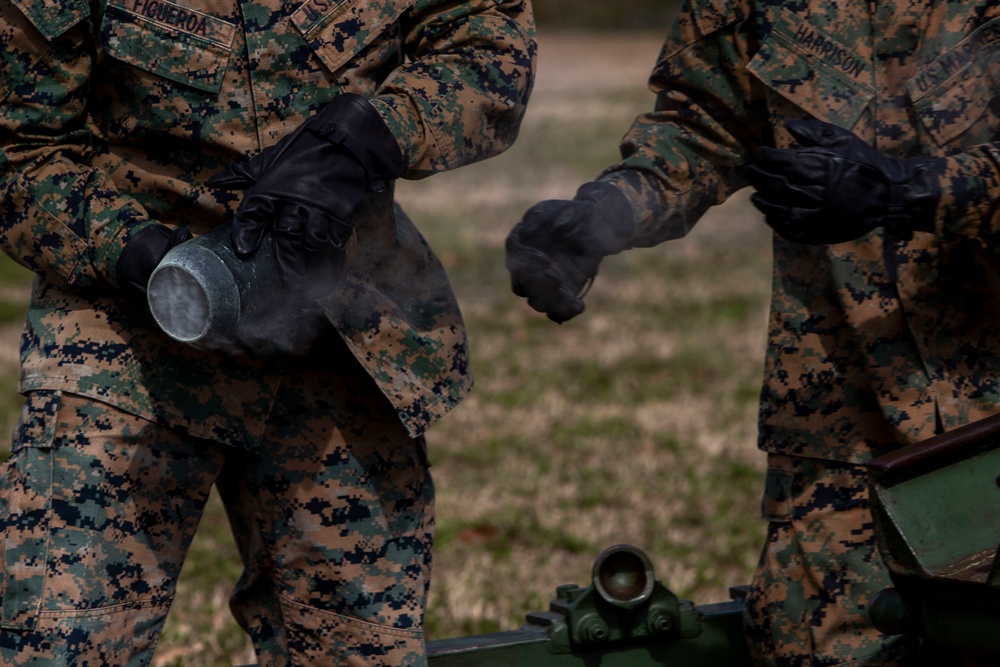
{"x": 143, "y": 252}
{"x": 834, "y": 187}
{"x": 554, "y": 252}
{"x": 306, "y": 188}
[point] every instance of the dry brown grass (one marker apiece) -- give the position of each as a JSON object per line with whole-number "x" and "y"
{"x": 632, "y": 423}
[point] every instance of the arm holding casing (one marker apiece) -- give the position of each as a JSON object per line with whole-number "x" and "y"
{"x": 62, "y": 218}
{"x": 462, "y": 106}
{"x": 306, "y": 189}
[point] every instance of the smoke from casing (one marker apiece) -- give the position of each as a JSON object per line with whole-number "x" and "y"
{"x": 203, "y": 295}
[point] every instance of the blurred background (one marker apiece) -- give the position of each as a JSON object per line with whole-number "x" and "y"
{"x": 594, "y": 15}
{"x": 633, "y": 423}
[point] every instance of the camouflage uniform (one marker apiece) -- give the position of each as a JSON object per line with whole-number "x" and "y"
{"x": 112, "y": 116}
{"x": 873, "y": 344}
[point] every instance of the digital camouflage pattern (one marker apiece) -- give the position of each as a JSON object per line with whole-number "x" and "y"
{"x": 333, "y": 513}
{"x": 808, "y": 600}
{"x": 879, "y": 342}
{"x": 113, "y": 114}
{"x": 873, "y": 344}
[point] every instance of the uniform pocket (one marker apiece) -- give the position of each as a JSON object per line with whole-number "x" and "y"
{"x": 25, "y": 512}
{"x": 337, "y": 31}
{"x": 956, "y": 94}
{"x": 814, "y": 71}
{"x": 170, "y": 41}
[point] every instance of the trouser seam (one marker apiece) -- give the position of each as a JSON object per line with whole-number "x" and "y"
{"x": 108, "y": 610}
{"x": 351, "y": 620}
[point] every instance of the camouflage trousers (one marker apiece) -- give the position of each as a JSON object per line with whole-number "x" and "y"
{"x": 819, "y": 568}
{"x": 332, "y": 513}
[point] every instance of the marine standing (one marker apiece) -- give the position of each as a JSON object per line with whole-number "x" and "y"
{"x": 867, "y": 129}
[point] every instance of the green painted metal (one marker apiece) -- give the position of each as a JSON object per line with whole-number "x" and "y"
{"x": 721, "y": 643}
{"x": 948, "y": 521}
{"x": 936, "y": 507}
{"x": 624, "y": 618}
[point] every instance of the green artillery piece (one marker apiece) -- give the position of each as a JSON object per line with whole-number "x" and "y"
{"x": 624, "y": 603}
{"x": 937, "y": 513}
{"x": 624, "y": 618}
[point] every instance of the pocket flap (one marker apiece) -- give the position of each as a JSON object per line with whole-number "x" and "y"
{"x": 53, "y": 17}
{"x": 814, "y": 71}
{"x": 337, "y": 30}
{"x": 175, "y": 42}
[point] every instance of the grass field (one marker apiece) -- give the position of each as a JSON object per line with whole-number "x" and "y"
{"x": 634, "y": 423}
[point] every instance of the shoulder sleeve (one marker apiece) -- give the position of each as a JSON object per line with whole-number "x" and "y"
{"x": 970, "y": 194}
{"x": 698, "y": 19}
{"x": 461, "y": 94}
{"x": 27, "y": 28}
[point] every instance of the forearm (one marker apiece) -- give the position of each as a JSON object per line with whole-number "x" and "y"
{"x": 63, "y": 221}
{"x": 462, "y": 94}
{"x": 970, "y": 194}
{"x": 670, "y": 188}
{"x": 688, "y": 153}
{"x": 675, "y": 167}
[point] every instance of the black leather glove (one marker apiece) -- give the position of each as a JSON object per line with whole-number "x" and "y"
{"x": 143, "y": 252}
{"x": 554, "y": 252}
{"x": 835, "y": 188}
{"x": 305, "y": 189}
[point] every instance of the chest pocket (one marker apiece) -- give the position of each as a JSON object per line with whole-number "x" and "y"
{"x": 957, "y": 96}
{"x": 336, "y": 31}
{"x": 174, "y": 42}
{"x": 814, "y": 71}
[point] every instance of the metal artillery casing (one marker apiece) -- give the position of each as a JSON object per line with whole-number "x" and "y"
{"x": 193, "y": 293}
{"x": 202, "y": 294}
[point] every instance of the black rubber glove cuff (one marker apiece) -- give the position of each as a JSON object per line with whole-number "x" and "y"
{"x": 912, "y": 204}
{"x": 554, "y": 252}
{"x": 143, "y": 252}
{"x": 351, "y": 121}
{"x": 614, "y": 223}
